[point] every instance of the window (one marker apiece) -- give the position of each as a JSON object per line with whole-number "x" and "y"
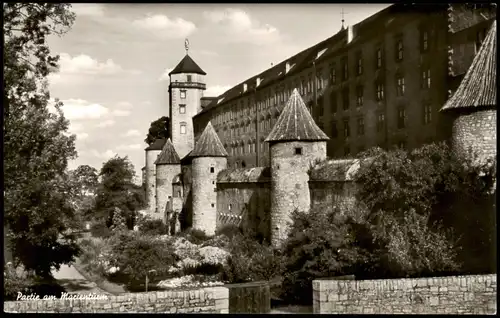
{"x": 333, "y": 74}
{"x": 298, "y": 151}
{"x": 189, "y": 78}
{"x": 427, "y": 113}
{"x": 321, "y": 110}
{"x": 345, "y": 98}
{"x": 183, "y": 94}
{"x": 379, "y": 89}
{"x": 347, "y": 129}
{"x": 183, "y": 128}
{"x": 400, "y": 84}
{"x": 378, "y": 58}
{"x": 480, "y": 35}
{"x": 359, "y": 96}
{"x": 401, "y": 117}
{"x": 333, "y": 101}
{"x": 426, "y": 78}
{"x": 182, "y": 109}
{"x": 424, "y": 40}
{"x": 212, "y": 169}
{"x": 229, "y": 207}
{"x": 380, "y": 122}
{"x": 334, "y": 132}
{"x": 347, "y": 151}
{"x": 359, "y": 64}
{"x": 361, "y": 126}
{"x": 212, "y": 205}
{"x": 345, "y": 69}
{"x": 399, "y": 50}
{"x": 309, "y": 83}
{"x": 319, "y": 79}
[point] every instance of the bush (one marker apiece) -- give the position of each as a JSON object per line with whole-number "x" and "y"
{"x": 251, "y": 261}
{"x": 153, "y": 227}
{"x": 229, "y": 230}
{"x": 100, "y": 230}
{"x": 202, "y": 269}
{"x": 195, "y": 236}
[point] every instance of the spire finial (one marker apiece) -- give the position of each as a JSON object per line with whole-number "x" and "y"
{"x": 186, "y": 45}
{"x": 342, "y": 14}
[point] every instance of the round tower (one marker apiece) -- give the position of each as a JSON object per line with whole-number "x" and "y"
{"x": 152, "y": 153}
{"x": 168, "y": 166}
{"x": 187, "y": 83}
{"x": 473, "y": 105}
{"x": 208, "y": 158}
{"x": 296, "y": 143}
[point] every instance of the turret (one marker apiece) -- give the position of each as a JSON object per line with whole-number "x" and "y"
{"x": 168, "y": 167}
{"x": 152, "y": 153}
{"x": 187, "y": 83}
{"x": 208, "y": 158}
{"x": 473, "y": 105}
{"x": 295, "y": 144}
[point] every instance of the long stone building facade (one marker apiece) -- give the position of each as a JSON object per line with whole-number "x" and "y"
{"x": 248, "y": 157}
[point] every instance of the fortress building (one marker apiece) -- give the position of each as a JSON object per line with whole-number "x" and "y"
{"x": 251, "y": 156}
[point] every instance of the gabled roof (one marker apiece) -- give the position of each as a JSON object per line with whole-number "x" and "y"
{"x": 209, "y": 144}
{"x": 157, "y": 144}
{"x": 295, "y": 123}
{"x": 187, "y": 65}
{"x": 168, "y": 155}
{"x": 479, "y": 85}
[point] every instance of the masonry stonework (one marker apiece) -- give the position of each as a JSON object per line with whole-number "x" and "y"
{"x": 206, "y": 300}
{"x": 150, "y": 183}
{"x": 475, "y": 294}
{"x": 289, "y": 185}
{"x": 204, "y": 179}
{"x": 164, "y": 186}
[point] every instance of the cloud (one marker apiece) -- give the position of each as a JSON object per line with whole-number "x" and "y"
{"x": 106, "y": 123}
{"x": 241, "y": 27}
{"x": 121, "y": 112}
{"x": 129, "y": 147}
{"x": 82, "y": 136}
{"x": 146, "y": 103}
{"x": 108, "y": 154}
{"x": 164, "y": 26}
{"x": 82, "y": 109}
{"x": 214, "y": 91}
{"x": 164, "y": 76}
{"x": 132, "y": 133}
{"x": 88, "y": 9}
{"x": 124, "y": 105}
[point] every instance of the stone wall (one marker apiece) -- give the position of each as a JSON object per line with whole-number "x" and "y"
{"x": 205, "y": 300}
{"x": 151, "y": 156}
{"x": 476, "y": 130}
{"x": 435, "y": 295}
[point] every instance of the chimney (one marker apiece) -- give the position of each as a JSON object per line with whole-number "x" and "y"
{"x": 244, "y": 87}
{"x": 287, "y": 67}
{"x": 257, "y": 81}
{"x": 349, "y": 34}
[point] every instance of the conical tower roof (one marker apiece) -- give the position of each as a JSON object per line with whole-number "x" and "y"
{"x": 209, "y": 144}
{"x": 157, "y": 144}
{"x": 168, "y": 155}
{"x": 295, "y": 123}
{"x": 187, "y": 65}
{"x": 479, "y": 85}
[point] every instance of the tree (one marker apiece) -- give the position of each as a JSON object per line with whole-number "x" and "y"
{"x": 117, "y": 190}
{"x": 159, "y": 129}
{"x": 84, "y": 180}
{"x": 37, "y": 146}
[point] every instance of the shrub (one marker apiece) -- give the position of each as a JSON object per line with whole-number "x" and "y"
{"x": 195, "y": 236}
{"x": 100, "y": 230}
{"x": 95, "y": 255}
{"x": 229, "y": 230}
{"x": 202, "y": 269}
{"x": 153, "y": 227}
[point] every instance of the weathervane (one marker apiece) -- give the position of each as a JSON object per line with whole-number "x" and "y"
{"x": 186, "y": 45}
{"x": 342, "y": 14}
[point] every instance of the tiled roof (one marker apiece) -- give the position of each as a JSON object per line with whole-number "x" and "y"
{"x": 187, "y": 65}
{"x": 295, "y": 123}
{"x": 479, "y": 85}
{"x": 157, "y": 145}
{"x": 168, "y": 155}
{"x": 209, "y": 144}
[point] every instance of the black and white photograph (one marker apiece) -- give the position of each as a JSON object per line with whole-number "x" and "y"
{"x": 261, "y": 158}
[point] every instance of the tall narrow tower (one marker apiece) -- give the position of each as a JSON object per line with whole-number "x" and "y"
{"x": 187, "y": 83}
{"x": 152, "y": 153}
{"x": 296, "y": 142}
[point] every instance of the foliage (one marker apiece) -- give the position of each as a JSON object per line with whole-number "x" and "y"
{"x": 117, "y": 190}
{"x": 251, "y": 261}
{"x": 202, "y": 269}
{"x": 100, "y": 230}
{"x": 37, "y": 146}
{"x": 159, "y": 129}
{"x": 136, "y": 255}
{"x": 195, "y": 236}
{"x": 119, "y": 222}
{"x": 15, "y": 281}
{"x": 229, "y": 230}
{"x": 153, "y": 227}
{"x": 95, "y": 254}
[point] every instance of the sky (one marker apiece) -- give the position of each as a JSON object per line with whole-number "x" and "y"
{"x": 114, "y": 60}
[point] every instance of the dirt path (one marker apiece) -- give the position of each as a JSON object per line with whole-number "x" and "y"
{"x": 69, "y": 278}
